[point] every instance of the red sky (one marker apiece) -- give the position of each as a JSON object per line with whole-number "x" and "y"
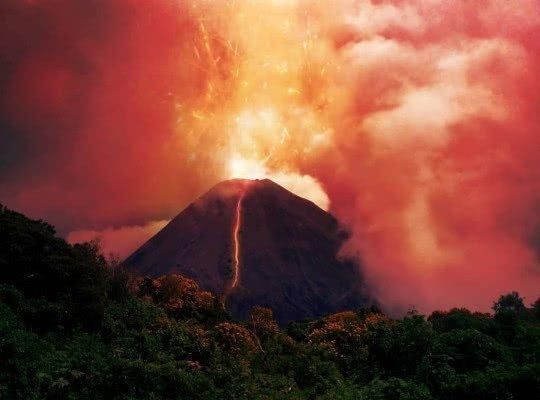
{"x": 415, "y": 122}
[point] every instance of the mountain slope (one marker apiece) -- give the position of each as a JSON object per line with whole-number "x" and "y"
{"x": 257, "y": 244}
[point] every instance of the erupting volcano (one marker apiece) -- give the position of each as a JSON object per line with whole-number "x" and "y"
{"x": 257, "y": 244}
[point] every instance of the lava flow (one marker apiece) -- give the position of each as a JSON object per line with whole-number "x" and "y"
{"x": 236, "y": 244}
{"x": 236, "y": 241}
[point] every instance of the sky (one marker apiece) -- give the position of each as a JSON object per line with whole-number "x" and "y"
{"x": 415, "y": 122}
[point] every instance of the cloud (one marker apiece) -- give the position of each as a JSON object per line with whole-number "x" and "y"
{"x": 87, "y": 110}
{"x": 435, "y": 179}
{"x": 120, "y": 241}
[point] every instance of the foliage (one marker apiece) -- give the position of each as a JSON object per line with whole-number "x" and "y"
{"x": 76, "y": 326}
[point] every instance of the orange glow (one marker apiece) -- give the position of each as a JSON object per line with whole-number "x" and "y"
{"x": 261, "y": 110}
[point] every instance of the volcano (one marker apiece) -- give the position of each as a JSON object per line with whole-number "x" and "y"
{"x": 256, "y": 243}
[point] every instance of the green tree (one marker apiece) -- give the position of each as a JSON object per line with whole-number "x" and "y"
{"x": 511, "y": 302}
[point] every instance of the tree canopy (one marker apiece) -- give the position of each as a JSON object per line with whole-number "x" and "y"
{"x": 74, "y": 325}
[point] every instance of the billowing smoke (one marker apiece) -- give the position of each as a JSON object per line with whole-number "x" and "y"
{"x": 416, "y": 122}
{"x": 87, "y": 110}
{"x": 437, "y": 173}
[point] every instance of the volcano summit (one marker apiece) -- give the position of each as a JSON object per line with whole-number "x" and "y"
{"x": 256, "y": 243}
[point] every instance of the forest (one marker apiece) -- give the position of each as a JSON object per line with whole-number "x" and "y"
{"x": 75, "y": 325}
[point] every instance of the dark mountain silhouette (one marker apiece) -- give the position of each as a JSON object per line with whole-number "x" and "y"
{"x": 256, "y": 243}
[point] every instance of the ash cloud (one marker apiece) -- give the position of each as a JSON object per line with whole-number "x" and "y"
{"x": 437, "y": 175}
{"x": 87, "y": 110}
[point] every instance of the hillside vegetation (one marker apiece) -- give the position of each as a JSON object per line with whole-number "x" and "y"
{"x": 75, "y": 326}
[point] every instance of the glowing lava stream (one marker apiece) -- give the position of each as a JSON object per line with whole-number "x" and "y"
{"x": 236, "y": 240}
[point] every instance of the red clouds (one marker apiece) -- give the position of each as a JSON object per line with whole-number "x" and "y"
{"x": 88, "y": 110}
{"x": 437, "y": 174}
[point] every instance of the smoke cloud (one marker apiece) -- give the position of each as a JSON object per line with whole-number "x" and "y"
{"x": 118, "y": 242}
{"x": 415, "y": 122}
